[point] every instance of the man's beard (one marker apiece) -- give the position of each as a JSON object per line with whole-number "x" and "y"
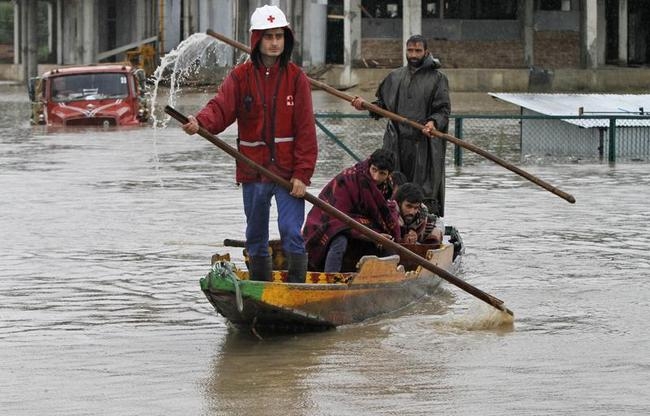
{"x": 416, "y": 63}
{"x": 408, "y": 218}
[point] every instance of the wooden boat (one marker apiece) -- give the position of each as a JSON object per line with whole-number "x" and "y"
{"x": 91, "y": 95}
{"x": 326, "y": 300}
{"x": 398, "y": 281}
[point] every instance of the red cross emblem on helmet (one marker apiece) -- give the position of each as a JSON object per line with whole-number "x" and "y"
{"x": 268, "y": 17}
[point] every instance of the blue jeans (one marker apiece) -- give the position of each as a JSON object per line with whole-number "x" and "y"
{"x": 257, "y": 207}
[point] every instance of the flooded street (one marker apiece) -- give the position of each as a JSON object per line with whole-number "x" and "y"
{"x": 105, "y": 234}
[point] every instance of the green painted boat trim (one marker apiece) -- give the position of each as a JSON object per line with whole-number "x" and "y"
{"x": 248, "y": 288}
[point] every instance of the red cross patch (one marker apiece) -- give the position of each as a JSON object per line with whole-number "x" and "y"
{"x": 290, "y": 101}
{"x": 270, "y": 18}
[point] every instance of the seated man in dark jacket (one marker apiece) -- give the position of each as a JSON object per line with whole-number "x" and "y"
{"x": 416, "y": 225}
{"x": 361, "y": 192}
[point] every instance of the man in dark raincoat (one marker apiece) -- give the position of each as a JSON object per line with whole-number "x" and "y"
{"x": 419, "y": 92}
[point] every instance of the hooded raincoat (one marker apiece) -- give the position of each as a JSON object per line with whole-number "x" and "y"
{"x": 420, "y": 95}
{"x": 274, "y": 114}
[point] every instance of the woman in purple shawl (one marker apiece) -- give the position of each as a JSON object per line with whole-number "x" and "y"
{"x": 362, "y": 192}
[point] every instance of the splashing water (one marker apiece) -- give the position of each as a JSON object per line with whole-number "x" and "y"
{"x": 198, "y": 59}
{"x": 187, "y": 63}
{"x": 481, "y": 316}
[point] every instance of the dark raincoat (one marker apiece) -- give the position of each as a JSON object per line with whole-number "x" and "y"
{"x": 419, "y": 96}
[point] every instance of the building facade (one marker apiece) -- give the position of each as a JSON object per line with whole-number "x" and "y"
{"x": 538, "y": 35}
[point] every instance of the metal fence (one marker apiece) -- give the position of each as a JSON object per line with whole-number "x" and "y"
{"x": 517, "y": 139}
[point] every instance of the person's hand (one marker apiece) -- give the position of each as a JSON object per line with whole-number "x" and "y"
{"x": 436, "y": 235}
{"x": 429, "y": 129}
{"x": 358, "y": 103}
{"x": 299, "y": 189}
{"x": 192, "y": 126}
{"x": 411, "y": 237}
{"x": 385, "y": 235}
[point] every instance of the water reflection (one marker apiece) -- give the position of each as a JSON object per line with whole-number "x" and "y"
{"x": 271, "y": 377}
{"x": 318, "y": 374}
{"x": 336, "y": 372}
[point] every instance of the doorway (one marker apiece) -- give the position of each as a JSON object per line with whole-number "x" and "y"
{"x": 638, "y": 32}
{"x": 334, "y": 43}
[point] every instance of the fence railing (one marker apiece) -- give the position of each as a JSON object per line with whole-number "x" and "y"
{"x": 514, "y": 138}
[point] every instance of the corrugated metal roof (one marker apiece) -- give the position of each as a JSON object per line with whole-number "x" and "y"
{"x": 591, "y": 104}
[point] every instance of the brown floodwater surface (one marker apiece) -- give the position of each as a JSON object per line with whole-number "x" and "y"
{"x": 105, "y": 234}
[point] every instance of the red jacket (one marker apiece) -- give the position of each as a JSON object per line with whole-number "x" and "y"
{"x": 274, "y": 116}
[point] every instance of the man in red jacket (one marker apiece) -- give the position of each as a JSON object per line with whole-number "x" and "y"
{"x": 270, "y": 98}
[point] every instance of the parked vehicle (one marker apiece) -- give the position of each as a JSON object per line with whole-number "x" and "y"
{"x": 91, "y": 95}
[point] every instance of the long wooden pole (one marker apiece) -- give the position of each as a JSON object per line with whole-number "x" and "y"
{"x": 372, "y": 235}
{"x": 401, "y": 119}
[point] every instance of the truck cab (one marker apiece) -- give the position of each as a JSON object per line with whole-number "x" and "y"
{"x": 91, "y": 95}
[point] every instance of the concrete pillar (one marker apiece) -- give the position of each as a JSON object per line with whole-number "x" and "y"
{"x": 352, "y": 29}
{"x": 529, "y": 32}
{"x": 50, "y": 27}
{"x": 23, "y": 7}
{"x": 72, "y": 40}
{"x": 17, "y": 26}
{"x": 225, "y": 20}
{"x": 351, "y": 41}
{"x": 88, "y": 31}
{"x": 161, "y": 28}
{"x": 203, "y": 16}
{"x": 59, "y": 32}
{"x": 411, "y": 23}
{"x": 193, "y": 16}
{"x": 314, "y": 40}
{"x": 29, "y": 39}
{"x": 187, "y": 20}
{"x": 172, "y": 24}
{"x": 590, "y": 34}
{"x": 295, "y": 13}
{"x": 139, "y": 28}
{"x": 601, "y": 33}
{"x": 622, "y": 32}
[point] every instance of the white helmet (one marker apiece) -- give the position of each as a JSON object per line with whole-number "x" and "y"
{"x": 268, "y": 17}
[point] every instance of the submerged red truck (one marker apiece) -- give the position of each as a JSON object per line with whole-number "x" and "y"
{"x": 91, "y": 95}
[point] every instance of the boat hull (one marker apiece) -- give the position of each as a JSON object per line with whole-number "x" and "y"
{"x": 381, "y": 285}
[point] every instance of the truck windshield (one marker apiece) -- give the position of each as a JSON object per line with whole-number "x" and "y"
{"x": 94, "y": 86}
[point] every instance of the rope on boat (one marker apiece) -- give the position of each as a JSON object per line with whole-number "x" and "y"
{"x": 224, "y": 270}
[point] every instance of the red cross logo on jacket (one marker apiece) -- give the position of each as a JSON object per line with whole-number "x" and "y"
{"x": 290, "y": 101}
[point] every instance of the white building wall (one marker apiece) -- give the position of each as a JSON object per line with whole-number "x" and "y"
{"x": 315, "y": 33}
{"x": 556, "y": 137}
